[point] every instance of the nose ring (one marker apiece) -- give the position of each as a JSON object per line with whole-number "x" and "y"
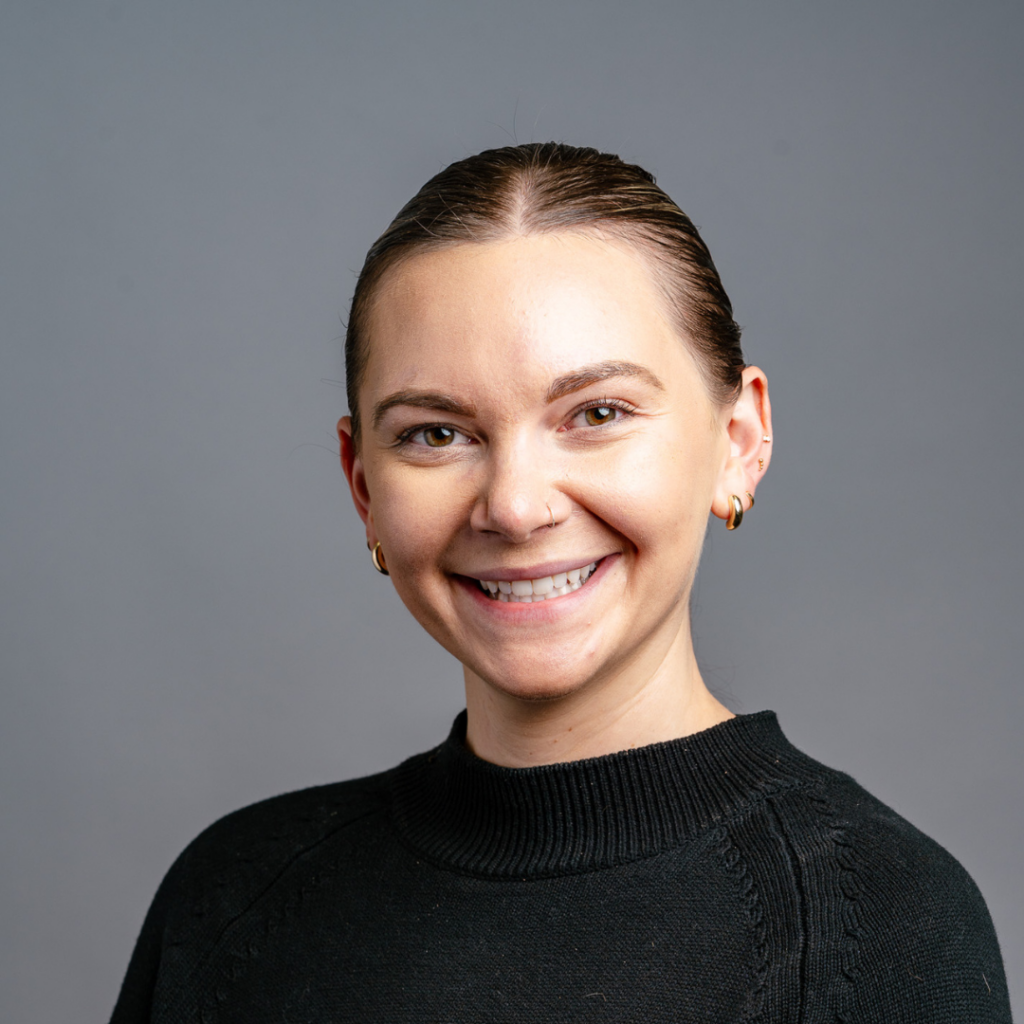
{"x": 552, "y": 514}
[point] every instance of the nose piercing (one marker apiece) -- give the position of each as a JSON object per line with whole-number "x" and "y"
{"x": 552, "y": 514}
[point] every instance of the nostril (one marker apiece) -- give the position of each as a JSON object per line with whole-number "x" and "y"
{"x": 516, "y": 519}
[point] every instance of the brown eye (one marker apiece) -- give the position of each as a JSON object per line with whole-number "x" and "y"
{"x": 438, "y": 437}
{"x": 599, "y": 415}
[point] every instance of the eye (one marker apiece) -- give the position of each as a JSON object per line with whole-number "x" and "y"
{"x": 600, "y": 413}
{"x": 436, "y": 436}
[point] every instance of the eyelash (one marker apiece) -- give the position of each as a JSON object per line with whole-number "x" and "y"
{"x": 404, "y": 437}
{"x": 605, "y": 403}
{"x": 598, "y": 403}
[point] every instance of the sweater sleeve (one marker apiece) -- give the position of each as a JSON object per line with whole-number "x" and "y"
{"x": 220, "y": 875}
{"x": 927, "y": 949}
{"x": 134, "y": 1004}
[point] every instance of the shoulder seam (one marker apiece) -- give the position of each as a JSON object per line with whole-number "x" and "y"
{"x": 244, "y": 957}
{"x": 285, "y": 868}
{"x": 798, "y": 886}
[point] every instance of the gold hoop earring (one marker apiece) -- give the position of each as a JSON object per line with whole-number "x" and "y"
{"x": 751, "y": 497}
{"x": 377, "y": 557}
{"x": 735, "y": 512}
{"x": 552, "y": 514}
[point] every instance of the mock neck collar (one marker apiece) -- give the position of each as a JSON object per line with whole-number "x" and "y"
{"x": 470, "y": 815}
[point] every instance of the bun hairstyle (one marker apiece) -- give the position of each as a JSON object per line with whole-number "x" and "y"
{"x": 549, "y": 187}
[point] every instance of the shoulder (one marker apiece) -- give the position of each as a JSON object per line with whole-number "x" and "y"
{"x": 890, "y": 856}
{"x": 299, "y": 816}
{"x": 263, "y": 837}
{"x": 222, "y": 874}
{"x": 226, "y": 869}
{"x": 907, "y": 926}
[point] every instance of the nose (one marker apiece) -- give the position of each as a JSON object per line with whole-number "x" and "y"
{"x": 516, "y": 493}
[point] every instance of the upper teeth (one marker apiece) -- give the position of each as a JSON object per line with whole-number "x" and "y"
{"x": 524, "y": 591}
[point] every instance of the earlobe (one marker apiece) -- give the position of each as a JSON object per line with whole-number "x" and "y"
{"x": 352, "y": 466}
{"x": 750, "y": 443}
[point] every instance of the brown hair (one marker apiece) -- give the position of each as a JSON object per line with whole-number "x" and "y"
{"x": 548, "y": 187}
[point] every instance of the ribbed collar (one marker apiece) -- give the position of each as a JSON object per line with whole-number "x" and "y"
{"x": 481, "y": 818}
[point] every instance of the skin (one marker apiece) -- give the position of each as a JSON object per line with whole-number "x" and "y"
{"x": 495, "y": 347}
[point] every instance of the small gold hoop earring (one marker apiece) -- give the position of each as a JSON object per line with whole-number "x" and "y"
{"x": 751, "y": 497}
{"x": 377, "y": 557}
{"x": 735, "y": 512}
{"x": 552, "y": 514}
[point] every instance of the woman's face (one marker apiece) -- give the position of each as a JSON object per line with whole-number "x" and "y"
{"x": 518, "y": 383}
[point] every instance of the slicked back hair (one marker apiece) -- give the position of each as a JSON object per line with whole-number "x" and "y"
{"x": 541, "y": 188}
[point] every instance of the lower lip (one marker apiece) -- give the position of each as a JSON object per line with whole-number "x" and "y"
{"x": 535, "y": 611}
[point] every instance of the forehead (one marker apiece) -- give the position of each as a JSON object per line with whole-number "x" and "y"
{"x": 517, "y": 312}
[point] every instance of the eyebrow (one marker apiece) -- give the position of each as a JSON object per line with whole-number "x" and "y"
{"x": 436, "y": 400}
{"x": 566, "y": 384}
{"x": 576, "y": 380}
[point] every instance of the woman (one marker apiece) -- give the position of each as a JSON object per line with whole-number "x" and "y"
{"x": 547, "y": 397}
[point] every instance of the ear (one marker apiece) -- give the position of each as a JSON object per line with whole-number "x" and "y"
{"x": 352, "y": 465}
{"x": 749, "y": 423}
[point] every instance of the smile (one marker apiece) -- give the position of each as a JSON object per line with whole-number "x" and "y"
{"x": 543, "y": 589}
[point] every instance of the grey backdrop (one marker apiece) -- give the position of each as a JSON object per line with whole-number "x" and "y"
{"x": 189, "y": 618}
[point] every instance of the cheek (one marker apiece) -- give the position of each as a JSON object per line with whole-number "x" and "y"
{"x": 657, "y": 495}
{"x": 415, "y": 526}
{"x": 416, "y": 516}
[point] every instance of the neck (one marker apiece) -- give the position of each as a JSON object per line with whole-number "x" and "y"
{"x": 638, "y": 706}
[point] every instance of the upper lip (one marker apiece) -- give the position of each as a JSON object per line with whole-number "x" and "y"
{"x": 533, "y": 572}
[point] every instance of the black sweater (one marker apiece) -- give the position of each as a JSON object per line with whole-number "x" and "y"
{"x": 721, "y": 877}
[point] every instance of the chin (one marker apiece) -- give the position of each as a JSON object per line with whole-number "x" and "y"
{"x": 533, "y": 684}
{"x": 535, "y": 690}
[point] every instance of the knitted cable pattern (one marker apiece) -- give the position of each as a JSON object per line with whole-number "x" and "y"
{"x": 736, "y": 866}
{"x": 849, "y": 890}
